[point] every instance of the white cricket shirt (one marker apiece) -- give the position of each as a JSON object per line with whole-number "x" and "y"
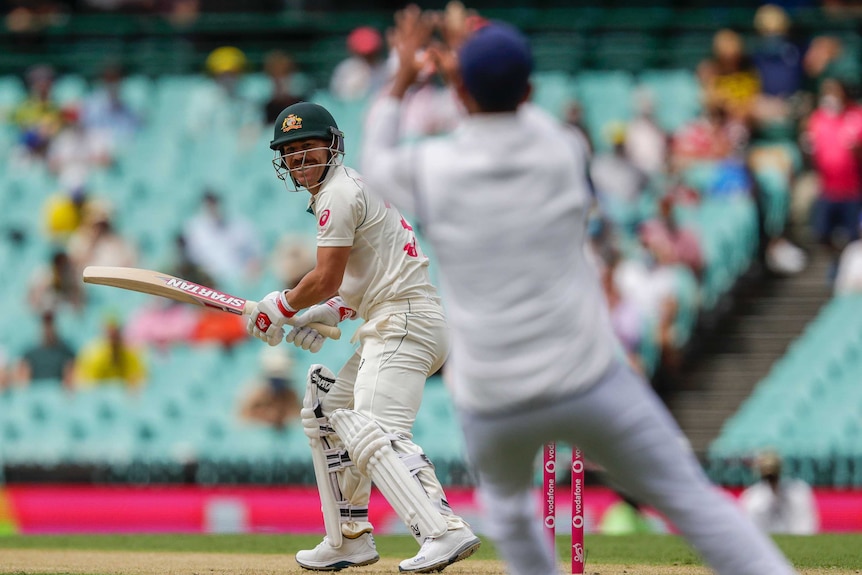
{"x": 386, "y": 264}
{"x": 504, "y": 202}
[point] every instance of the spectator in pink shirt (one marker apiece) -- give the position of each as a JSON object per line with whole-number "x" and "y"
{"x": 833, "y": 137}
{"x": 671, "y": 243}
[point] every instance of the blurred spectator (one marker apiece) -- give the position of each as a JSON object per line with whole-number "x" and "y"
{"x": 827, "y": 57}
{"x": 710, "y": 137}
{"x": 292, "y": 258}
{"x": 217, "y": 107}
{"x": 271, "y": 398}
{"x": 64, "y": 212}
{"x": 217, "y": 326}
{"x": 364, "y": 72}
{"x": 729, "y": 78}
{"x": 288, "y": 86}
{"x": 849, "y": 276}
{"x": 605, "y": 244}
{"x": 651, "y": 286}
{"x": 37, "y": 118}
{"x": 52, "y": 359}
{"x": 97, "y": 243}
{"x": 56, "y": 284}
{"x": 30, "y": 16}
{"x": 671, "y": 243}
{"x": 108, "y": 359}
{"x": 646, "y": 144}
{"x": 225, "y": 247}
{"x": 628, "y": 322}
{"x": 842, "y": 8}
{"x": 182, "y": 266}
{"x": 833, "y": 137}
{"x": 75, "y": 151}
{"x": 574, "y": 118}
{"x": 5, "y": 369}
{"x": 161, "y": 323}
{"x": 105, "y": 116}
{"x": 779, "y": 505}
{"x": 777, "y": 58}
{"x": 613, "y": 173}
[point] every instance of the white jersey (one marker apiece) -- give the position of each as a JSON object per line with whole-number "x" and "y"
{"x": 504, "y": 202}
{"x": 386, "y": 264}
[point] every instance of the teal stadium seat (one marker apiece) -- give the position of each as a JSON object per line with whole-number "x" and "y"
{"x": 675, "y": 95}
{"x": 12, "y": 93}
{"x": 256, "y": 87}
{"x": 138, "y": 92}
{"x": 553, "y": 91}
{"x": 69, "y": 89}
{"x": 809, "y": 406}
{"x": 606, "y": 97}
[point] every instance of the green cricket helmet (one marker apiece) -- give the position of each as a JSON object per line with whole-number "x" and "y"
{"x": 305, "y": 121}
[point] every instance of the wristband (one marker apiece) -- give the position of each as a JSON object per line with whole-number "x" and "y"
{"x": 284, "y": 307}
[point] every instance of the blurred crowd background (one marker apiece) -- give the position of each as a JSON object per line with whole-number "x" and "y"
{"x": 725, "y": 164}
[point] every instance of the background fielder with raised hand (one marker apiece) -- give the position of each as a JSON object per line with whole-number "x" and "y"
{"x": 504, "y": 203}
{"x": 368, "y": 255}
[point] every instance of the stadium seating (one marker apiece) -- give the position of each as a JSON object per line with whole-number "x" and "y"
{"x": 808, "y": 407}
{"x": 185, "y": 413}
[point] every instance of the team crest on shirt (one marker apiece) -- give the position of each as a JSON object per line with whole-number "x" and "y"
{"x": 292, "y": 122}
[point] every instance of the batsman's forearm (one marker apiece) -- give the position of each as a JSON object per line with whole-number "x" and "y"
{"x": 314, "y": 288}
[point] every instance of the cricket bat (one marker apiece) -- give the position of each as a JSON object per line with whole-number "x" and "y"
{"x": 165, "y": 285}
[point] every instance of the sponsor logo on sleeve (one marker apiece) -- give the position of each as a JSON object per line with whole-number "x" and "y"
{"x": 324, "y": 218}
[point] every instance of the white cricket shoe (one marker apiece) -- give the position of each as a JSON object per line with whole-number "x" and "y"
{"x": 352, "y": 553}
{"x": 438, "y": 553}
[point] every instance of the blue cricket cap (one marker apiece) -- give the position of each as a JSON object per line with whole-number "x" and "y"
{"x": 496, "y": 62}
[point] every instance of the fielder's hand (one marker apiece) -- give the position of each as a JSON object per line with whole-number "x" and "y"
{"x": 330, "y": 313}
{"x": 266, "y": 320}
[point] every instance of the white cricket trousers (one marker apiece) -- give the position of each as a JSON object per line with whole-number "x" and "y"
{"x": 384, "y": 380}
{"x": 620, "y": 424}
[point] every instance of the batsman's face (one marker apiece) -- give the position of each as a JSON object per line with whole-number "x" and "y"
{"x": 306, "y": 161}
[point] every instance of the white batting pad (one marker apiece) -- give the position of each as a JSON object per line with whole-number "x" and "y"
{"x": 372, "y": 453}
{"x": 320, "y": 380}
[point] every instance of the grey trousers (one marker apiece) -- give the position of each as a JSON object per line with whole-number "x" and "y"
{"x": 620, "y": 424}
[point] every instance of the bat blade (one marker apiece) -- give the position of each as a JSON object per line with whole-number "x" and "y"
{"x": 168, "y": 286}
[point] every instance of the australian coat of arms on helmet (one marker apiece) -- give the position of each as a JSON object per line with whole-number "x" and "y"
{"x": 292, "y": 122}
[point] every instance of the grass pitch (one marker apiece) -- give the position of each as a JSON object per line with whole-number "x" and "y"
{"x": 264, "y": 554}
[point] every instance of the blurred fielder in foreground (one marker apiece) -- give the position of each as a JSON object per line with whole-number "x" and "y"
{"x": 368, "y": 265}
{"x": 504, "y": 203}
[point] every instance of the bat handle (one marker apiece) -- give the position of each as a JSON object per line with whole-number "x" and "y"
{"x": 329, "y": 331}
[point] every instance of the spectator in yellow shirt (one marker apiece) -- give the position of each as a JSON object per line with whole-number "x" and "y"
{"x": 64, "y": 213}
{"x": 109, "y": 359}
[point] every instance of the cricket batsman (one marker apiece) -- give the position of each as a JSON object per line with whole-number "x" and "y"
{"x": 369, "y": 265}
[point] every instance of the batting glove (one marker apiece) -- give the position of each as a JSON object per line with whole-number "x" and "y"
{"x": 329, "y": 313}
{"x": 266, "y": 320}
